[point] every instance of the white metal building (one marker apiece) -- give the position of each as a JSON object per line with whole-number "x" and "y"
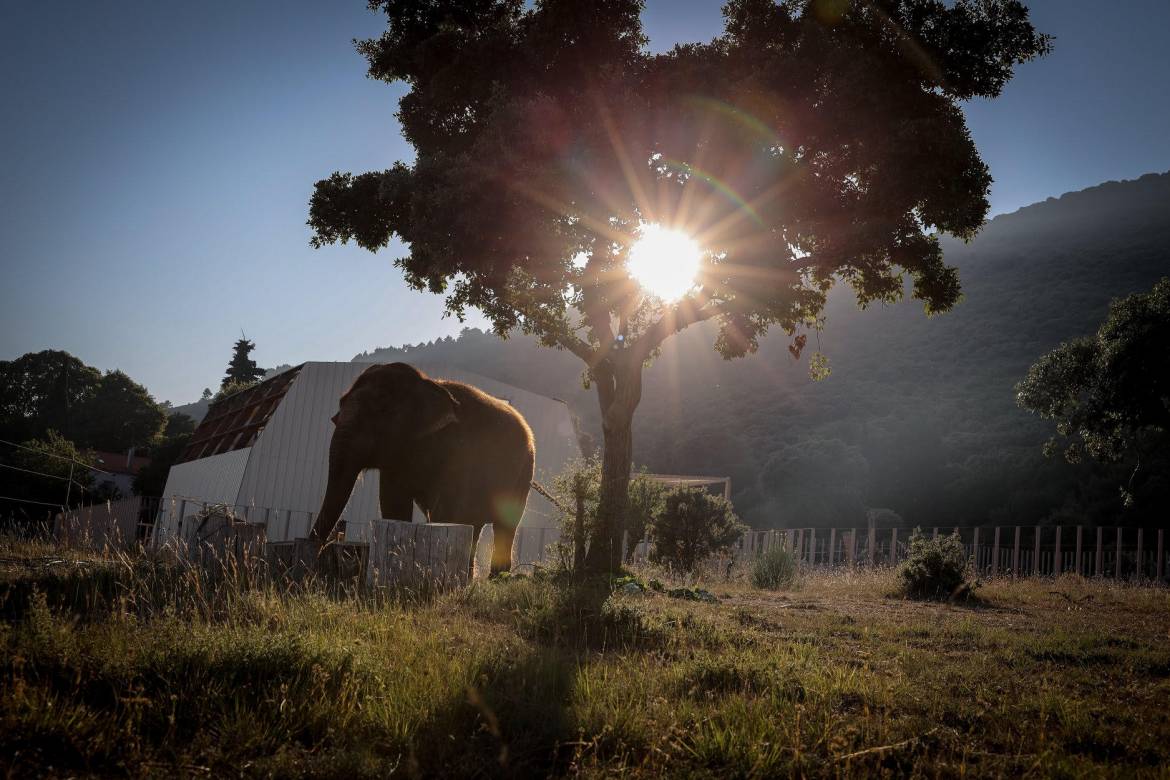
{"x": 265, "y": 450}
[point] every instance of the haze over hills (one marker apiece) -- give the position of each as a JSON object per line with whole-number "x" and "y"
{"x": 919, "y": 414}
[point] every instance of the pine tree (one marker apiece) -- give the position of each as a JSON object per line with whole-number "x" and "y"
{"x": 242, "y": 370}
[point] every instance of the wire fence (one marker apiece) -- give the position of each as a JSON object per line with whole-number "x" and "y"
{"x": 1007, "y": 551}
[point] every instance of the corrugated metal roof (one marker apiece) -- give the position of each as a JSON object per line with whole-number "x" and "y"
{"x": 235, "y": 421}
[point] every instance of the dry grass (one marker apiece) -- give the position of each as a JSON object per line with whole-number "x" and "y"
{"x": 133, "y": 666}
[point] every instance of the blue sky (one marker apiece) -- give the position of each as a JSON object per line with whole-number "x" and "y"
{"x": 159, "y": 157}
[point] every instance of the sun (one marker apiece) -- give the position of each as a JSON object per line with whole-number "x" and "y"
{"x": 664, "y": 262}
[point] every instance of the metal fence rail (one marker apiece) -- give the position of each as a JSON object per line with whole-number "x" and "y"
{"x": 1015, "y": 551}
{"x": 1010, "y": 551}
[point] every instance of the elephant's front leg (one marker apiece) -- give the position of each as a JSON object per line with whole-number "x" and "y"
{"x": 395, "y": 499}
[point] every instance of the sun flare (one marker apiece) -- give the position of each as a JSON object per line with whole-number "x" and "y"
{"x": 664, "y": 262}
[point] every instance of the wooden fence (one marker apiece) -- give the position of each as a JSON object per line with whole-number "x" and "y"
{"x": 116, "y": 524}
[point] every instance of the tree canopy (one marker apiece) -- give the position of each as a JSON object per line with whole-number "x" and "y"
{"x": 121, "y": 414}
{"x": 803, "y": 144}
{"x": 42, "y": 474}
{"x": 42, "y": 391}
{"x": 54, "y": 391}
{"x": 1109, "y": 393}
{"x": 810, "y": 142}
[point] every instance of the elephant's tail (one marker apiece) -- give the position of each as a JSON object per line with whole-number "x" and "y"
{"x": 539, "y": 488}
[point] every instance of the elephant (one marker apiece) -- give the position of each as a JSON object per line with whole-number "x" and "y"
{"x": 460, "y": 454}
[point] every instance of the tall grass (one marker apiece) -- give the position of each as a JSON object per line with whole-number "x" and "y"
{"x": 773, "y": 569}
{"x": 138, "y": 665}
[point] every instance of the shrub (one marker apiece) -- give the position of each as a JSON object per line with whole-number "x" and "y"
{"x": 935, "y": 568}
{"x": 774, "y": 569}
{"x": 692, "y": 525}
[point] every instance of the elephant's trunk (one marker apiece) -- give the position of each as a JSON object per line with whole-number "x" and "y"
{"x": 343, "y": 473}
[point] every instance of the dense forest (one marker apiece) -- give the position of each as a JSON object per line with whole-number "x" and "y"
{"x": 918, "y": 414}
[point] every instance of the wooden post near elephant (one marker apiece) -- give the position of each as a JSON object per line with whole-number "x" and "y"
{"x": 420, "y": 554}
{"x": 342, "y": 563}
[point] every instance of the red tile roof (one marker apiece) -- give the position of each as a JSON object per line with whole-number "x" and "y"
{"x": 118, "y": 463}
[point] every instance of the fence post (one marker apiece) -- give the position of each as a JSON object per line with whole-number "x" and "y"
{"x": 1099, "y": 568}
{"x": 1016, "y": 554}
{"x": 1079, "y": 529}
{"x": 800, "y": 546}
{"x": 893, "y": 546}
{"x": 179, "y": 520}
{"x": 832, "y": 546}
{"x": 1036, "y": 560}
{"x": 1141, "y": 564}
{"x": 1056, "y": 567}
{"x": 995, "y": 552}
{"x": 935, "y": 534}
{"x": 1157, "y": 573}
{"x": 975, "y": 551}
{"x": 1117, "y": 556}
{"x": 872, "y": 544}
{"x": 812, "y": 547}
{"x": 852, "y": 554}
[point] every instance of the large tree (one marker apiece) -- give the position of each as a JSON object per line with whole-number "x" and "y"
{"x": 1109, "y": 393}
{"x": 811, "y": 142}
{"x": 120, "y": 414}
{"x": 43, "y": 391}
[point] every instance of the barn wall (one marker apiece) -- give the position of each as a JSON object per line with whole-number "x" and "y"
{"x": 214, "y": 479}
{"x": 290, "y": 461}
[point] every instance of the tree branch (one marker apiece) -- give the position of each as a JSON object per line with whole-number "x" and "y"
{"x": 578, "y": 348}
{"x": 682, "y": 315}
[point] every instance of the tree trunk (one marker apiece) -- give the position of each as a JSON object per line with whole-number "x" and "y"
{"x": 619, "y": 389}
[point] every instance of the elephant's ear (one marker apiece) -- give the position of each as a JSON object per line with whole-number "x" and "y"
{"x": 437, "y": 408}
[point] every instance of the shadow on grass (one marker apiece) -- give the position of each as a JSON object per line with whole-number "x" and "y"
{"x": 557, "y": 612}
{"x": 512, "y": 721}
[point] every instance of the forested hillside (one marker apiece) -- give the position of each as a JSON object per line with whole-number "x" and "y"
{"x": 918, "y": 414}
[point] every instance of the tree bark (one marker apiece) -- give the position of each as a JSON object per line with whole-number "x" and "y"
{"x": 619, "y": 389}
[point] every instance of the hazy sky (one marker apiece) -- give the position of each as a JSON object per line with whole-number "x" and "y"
{"x": 158, "y": 159}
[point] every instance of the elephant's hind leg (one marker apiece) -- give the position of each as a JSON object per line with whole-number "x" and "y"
{"x": 507, "y": 510}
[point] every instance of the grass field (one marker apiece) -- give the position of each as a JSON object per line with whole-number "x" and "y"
{"x": 133, "y": 666}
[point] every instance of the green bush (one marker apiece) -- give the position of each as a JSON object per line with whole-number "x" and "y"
{"x": 774, "y": 569}
{"x": 692, "y": 525}
{"x": 935, "y": 568}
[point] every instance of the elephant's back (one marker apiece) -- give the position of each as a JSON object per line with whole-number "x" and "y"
{"x": 495, "y": 421}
